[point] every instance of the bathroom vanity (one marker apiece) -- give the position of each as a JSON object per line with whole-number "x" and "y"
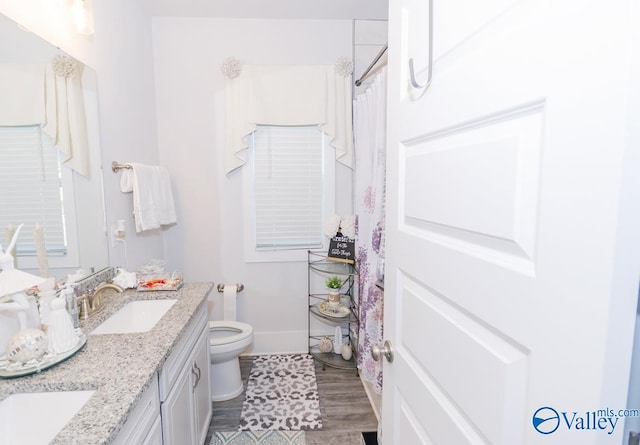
{"x": 150, "y": 387}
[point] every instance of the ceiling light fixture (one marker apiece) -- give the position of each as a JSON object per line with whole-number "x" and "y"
{"x": 81, "y": 17}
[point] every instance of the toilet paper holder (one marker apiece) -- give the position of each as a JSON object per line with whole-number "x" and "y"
{"x": 239, "y": 287}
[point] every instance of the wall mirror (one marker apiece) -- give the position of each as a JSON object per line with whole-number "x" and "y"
{"x": 82, "y": 241}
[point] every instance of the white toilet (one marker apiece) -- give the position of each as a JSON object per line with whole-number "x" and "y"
{"x": 227, "y": 340}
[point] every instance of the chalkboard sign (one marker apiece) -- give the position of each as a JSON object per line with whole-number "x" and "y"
{"x": 342, "y": 249}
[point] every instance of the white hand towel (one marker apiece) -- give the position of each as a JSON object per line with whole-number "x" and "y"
{"x": 166, "y": 207}
{"x": 152, "y": 196}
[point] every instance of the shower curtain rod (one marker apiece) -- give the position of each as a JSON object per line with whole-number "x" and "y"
{"x": 375, "y": 60}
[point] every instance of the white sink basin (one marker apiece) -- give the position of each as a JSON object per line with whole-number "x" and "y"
{"x": 137, "y": 316}
{"x": 36, "y": 418}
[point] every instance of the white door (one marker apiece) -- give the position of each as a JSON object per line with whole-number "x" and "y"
{"x": 513, "y": 229}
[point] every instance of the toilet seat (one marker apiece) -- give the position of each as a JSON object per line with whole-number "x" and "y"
{"x": 225, "y": 332}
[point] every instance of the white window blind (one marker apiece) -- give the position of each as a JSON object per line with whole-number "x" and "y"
{"x": 31, "y": 189}
{"x": 288, "y": 187}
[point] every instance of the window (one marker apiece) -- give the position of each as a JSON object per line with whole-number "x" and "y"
{"x": 288, "y": 191}
{"x": 35, "y": 189}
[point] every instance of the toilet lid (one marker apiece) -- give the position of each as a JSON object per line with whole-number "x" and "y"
{"x": 225, "y": 332}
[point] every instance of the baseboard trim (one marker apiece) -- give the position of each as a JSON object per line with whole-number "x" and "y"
{"x": 278, "y": 342}
{"x": 375, "y": 399}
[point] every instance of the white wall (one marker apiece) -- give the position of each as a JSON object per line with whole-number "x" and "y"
{"x": 124, "y": 63}
{"x": 120, "y": 52}
{"x": 207, "y": 242}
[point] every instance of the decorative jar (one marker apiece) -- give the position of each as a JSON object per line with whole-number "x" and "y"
{"x": 347, "y": 353}
{"x": 325, "y": 345}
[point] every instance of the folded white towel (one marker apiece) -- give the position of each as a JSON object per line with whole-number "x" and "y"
{"x": 152, "y": 196}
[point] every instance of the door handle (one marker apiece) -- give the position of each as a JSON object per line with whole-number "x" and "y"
{"x": 386, "y": 351}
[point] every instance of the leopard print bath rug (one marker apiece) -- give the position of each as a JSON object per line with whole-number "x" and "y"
{"x": 281, "y": 394}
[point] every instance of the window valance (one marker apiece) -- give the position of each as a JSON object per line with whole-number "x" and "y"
{"x": 49, "y": 95}
{"x": 288, "y": 96}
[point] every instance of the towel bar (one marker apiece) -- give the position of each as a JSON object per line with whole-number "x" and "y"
{"x": 239, "y": 287}
{"x": 116, "y": 166}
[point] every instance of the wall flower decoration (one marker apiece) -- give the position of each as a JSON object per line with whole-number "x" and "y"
{"x": 63, "y": 66}
{"x": 344, "y": 67}
{"x": 231, "y": 68}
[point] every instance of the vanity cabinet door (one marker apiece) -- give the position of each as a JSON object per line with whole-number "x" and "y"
{"x": 154, "y": 437}
{"x": 177, "y": 410}
{"x": 201, "y": 387}
{"x": 185, "y": 387}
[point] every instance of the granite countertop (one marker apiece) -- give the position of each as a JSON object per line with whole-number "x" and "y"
{"x": 119, "y": 367}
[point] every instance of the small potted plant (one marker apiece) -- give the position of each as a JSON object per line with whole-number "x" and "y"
{"x": 334, "y": 284}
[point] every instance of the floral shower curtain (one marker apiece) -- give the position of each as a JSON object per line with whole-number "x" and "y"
{"x": 370, "y": 153}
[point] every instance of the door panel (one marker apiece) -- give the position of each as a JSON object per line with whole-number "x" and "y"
{"x": 421, "y": 394}
{"x": 447, "y": 342}
{"x": 490, "y": 172}
{"x": 177, "y": 411}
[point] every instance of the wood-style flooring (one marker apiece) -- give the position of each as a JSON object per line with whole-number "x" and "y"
{"x": 344, "y": 406}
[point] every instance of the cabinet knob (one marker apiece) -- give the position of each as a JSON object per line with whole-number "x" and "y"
{"x": 386, "y": 351}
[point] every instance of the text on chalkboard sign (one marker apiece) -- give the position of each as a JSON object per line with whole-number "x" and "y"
{"x": 342, "y": 249}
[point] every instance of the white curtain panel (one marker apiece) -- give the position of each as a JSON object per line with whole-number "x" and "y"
{"x": 288, "y": 95}
{"x": 370, "y": 110}
{"x": 33, "y": 94}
